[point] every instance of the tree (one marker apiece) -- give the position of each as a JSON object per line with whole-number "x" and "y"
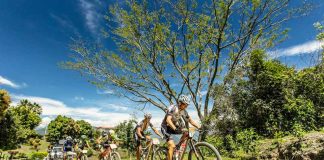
{"x": 9, "y": 131}
{"x": 62, "y": 127}
{"x": 85, "y": 128}
{"x": 125, "y": 132}
{"x": 162, "y": 44}
{"x": 4, "y": 102}
{"x": 29, "y": 117}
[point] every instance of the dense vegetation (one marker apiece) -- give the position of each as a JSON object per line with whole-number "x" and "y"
{"x": 17, "y": 122}
{"x": 63, "y": 126}
{"x": 267, "y": 100}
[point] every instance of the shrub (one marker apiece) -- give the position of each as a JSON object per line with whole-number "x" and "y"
{"x": 246, "y": 140}
{"x": 38, "y": 155}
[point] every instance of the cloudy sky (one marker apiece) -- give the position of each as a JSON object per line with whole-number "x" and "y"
{"x": 34, "y": 38}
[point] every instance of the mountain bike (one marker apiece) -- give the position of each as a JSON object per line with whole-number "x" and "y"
{"x": 148, "y": 151}
{"x": 197, "y": 150}
{"x": 109, "y": 152}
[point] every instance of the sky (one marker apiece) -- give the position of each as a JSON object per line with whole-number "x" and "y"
{"x": 35, "y": 37}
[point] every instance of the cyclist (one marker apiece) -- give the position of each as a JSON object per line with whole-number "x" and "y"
{"x": 139, "y": 133}
{"x": 68, "y": 145}
{"x": 81, "y": 144}
{"x": 173, "y": 123}
{"x": 105, "y": 140}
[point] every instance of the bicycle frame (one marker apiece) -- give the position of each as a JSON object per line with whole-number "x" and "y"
{"x": 149, "y": 148}
{"x": 187, "y": 141}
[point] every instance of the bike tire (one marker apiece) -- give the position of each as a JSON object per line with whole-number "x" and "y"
{"x": 160, "y": 154}
{"x": 207, "y": 145}
{"x": 84, "y": 157}
{"x": 115, "y": 156}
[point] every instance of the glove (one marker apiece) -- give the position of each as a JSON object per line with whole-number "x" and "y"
{"x": 143, "y": 138}
{"x": 178, "y": 130}
{"x": 184, "y": 130}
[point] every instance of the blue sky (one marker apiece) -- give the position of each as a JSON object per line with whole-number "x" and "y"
{"x": 34, "y": 38}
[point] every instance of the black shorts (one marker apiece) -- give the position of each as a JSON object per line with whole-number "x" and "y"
{"x": 168, "y": 132}
{"x": 137, "y": 138}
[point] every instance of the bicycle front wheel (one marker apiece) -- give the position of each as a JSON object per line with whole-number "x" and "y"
{"x": 204, "y": 151}
{"x": 114, "y": 156}
{"x": 160, "y": 154}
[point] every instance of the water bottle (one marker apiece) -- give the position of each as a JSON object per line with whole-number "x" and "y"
{"x": 177, "y": 154}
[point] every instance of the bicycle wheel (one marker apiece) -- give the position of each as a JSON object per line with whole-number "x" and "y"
{"x": 84, "y": 157}
{"x": 205, "y": 151}
{"x": 160, "y": 154}
{"x": 114, "y": 156}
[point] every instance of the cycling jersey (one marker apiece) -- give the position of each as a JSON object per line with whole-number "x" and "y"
{"x": 143, "y": 126}
{"x": 179, "y": 118}
{"x": 68, "y": 145}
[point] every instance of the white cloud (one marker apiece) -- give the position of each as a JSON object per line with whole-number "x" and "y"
{"x": 79, "y": 98}
{"x": 91, "y": 15}
{"x": 95, "y": 116}
{"x": 45, "y": 122}
{"x": 7, "y": 82}
{"x": 305, "y": 48}
{"x": 64, "y": 22}
{"x": 117, "y": 107}
{"x": 106, "y": 91}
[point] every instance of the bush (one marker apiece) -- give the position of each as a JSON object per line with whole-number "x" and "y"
{"x": 38, "y": 155}
{"x": 246, "y": 140}
{"x": 90, "y": 153}
{"x": 21, "y": 155}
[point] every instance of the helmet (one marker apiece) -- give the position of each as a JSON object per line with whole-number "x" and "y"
{"x": 184, "y": 99}
{"x": 111, "y": 132}
{"x": 83, "y": 137}
{"x": 148, "y": 115}
{"x": 104, "y": 134}
{"x": 69, "y": 138}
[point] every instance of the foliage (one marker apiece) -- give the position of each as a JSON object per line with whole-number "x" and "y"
{"x": 38, "y": 155}
{"x": 35, "y": 143}
{"x": 267, "y": 100}
{"x": 29, "y": 118}
{"x": 62, "y": 127}
{"x": 4, "y": 102}
{"x": 162, "y": 44}
{"x": 125, "y": 132}
{"x": 85, "y": 128}
{"x": 9, "y": 131}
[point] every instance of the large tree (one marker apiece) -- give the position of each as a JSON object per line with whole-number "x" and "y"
{"x": 29, "y": 116}
{"x": 167, "y": 48}
{"x": 61, "y": 127}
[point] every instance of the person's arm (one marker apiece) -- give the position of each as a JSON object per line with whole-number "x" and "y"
{"x": 192, "y": 122}
{"x": 138, "y": 131}
{"x": 170, "y": 123}
{"x": 157, "y": 132}
{"x": 99, "y": 139}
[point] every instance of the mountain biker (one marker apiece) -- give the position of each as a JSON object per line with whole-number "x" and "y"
{"x": 173, "y": 123}
{"x": 105, "y": 139}
{"x": 68, "y": 145}
{"x": 139, "y": 133}
{"x": 81, "y": 144}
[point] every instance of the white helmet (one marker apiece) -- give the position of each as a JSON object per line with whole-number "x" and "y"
{"x": 148, "y": 115}
{"x": 111, "y": 132}
{"x": 184, "y": 99}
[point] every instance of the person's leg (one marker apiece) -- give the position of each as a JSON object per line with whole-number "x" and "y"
{"x": 171, "y": 147}
{"x": 138, "y": 151}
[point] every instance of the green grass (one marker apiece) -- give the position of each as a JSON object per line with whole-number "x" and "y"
{"x": 27, "y": 149}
